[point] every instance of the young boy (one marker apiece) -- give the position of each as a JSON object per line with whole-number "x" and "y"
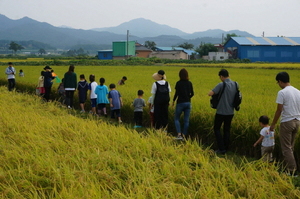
{"x": 82, "y": 88}
{"x": 138, "y": 105}
{"x": 267, "y": 139}
{"x": 115, "y": 101}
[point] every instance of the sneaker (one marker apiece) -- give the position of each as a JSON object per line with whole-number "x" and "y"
{"x": 179, "y": 137}
{"x": 69, "y": 107}
{"x": 82, "y": 111}
{"x": 120, "y": 122}
{"x": 136, "y": 126}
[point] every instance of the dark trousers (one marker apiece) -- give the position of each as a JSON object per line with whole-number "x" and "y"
{"x": 11, "y": 84}
{"x": 138, "y": 118}
{"x": 47, "y": 93}
{"x": 222, "y": 140}
{"x": 161, "y": 115}
{"x": 69, "y": 98}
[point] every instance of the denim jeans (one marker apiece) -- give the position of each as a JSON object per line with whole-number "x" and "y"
{"x": 186, "y": 109}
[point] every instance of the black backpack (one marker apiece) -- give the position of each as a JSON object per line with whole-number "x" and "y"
{"x": 162, "y": 95}
{"x": 237, "y": 98}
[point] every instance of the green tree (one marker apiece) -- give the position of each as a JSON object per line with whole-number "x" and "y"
{"x": 187, "y": 46}
{"x": 150, "y": 44}
{"x": 204, "y": 49}
{"x": 15, "y": 47}
{"x": 42, "y": 51}
{"x": 228, "y": 36}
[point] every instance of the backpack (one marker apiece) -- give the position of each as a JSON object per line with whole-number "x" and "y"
{"x": 162, "y": 94}
{"x": 214, "y": 100}
{"x": 237, "y": 98}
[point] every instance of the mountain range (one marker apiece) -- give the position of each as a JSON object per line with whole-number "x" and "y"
{"x": 140, "y": 30}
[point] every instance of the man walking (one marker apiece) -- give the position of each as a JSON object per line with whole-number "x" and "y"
{"x": 225, "y": 110}
{"x": 10, "y": 72}
{"x": 288, "y": 107}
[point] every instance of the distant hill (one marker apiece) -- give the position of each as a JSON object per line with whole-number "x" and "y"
{"x": 146, "y": 28}
{"x": 143, "y": 28}
{"x": 140, "y": 30}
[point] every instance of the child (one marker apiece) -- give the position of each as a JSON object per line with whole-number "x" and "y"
{"x": 115, "y": 101}
{"x": 138, "y": 105}
{"x": 61, "y": 92}
{"x": 21, "y": 73}
{"x": 40, "y": 86}
{"x": 101, "y": 91}
{"x": 93, "y": 96}
{"x": 151, "y": 112}
{"x": 82, "y": 88}
{"x": 122, "y": 81}
{"x": 267, "y": 139}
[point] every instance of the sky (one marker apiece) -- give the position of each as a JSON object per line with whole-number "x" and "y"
{"x": 269, "y": 17}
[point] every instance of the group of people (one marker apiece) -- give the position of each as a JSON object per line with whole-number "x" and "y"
{"x": 288, "y": 106}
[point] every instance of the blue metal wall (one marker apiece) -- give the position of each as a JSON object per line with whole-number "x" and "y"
{"x": 266, "y": 53}
{"x": 105, "y": 55}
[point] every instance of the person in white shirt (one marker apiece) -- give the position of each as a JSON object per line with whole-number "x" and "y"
{"x": 266, "y": 139}
{"x": 10, "y": 72}
{"x": 288, "y": 107}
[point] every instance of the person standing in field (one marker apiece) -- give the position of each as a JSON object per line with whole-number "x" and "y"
{"x": 138, "y": 104}
{"x": 93, "y": 96}
{"x": 47, "y": 82}
{"x": 101, "y": 91}
{"x": 70, "y": 84}
{"x": 40, "y": 85}
{"x": 82, "y": 88}
{"x": 288, "y": 107}
{"x": 161, "y": 97}
{"x": 21, "y": 73}
{"x": 183, "y": 94}
{"x": 10, "y": 72}
{"x": 122, "y": 81}
{"x": 115, "y": 100}
{"x": 266, "y": 139}
{"x": 225, "y": 110}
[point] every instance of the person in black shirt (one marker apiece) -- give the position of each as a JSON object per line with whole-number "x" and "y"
{"x": 183, "y": 94}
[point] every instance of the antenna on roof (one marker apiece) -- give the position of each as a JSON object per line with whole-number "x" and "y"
{"x": 263, "y": 34}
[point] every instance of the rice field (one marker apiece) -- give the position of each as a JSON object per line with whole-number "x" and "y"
{"x": 48, "y": 152}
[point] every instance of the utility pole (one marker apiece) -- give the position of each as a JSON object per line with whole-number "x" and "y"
{"x": 127, "y": 44}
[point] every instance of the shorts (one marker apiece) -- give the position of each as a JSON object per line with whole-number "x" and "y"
{"x": 101, "y": 106}
{"x": 94, "y": 102}
{"x": 115, "y": 111}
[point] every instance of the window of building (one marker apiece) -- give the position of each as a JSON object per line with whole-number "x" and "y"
{"x": 286, "y": 54}
{"x": 253, "y": 53}
{"x": 269, "y": 54}
{"x": 105, "y": 55}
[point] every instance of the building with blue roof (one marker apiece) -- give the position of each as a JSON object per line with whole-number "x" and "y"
{"x": 266, "y": 49}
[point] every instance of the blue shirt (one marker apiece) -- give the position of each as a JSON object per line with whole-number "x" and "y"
{"x": 115, "y": 96}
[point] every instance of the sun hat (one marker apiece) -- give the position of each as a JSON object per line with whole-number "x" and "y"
{"x": 47, "y": 67}
{"x": 160, "y": 75}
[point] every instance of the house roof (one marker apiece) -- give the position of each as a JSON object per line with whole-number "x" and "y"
{"x": 189, "y": 52}
{"x": 142, "y": 48}
{"x": 267, "y": 41}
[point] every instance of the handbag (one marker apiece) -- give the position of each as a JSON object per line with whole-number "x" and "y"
{"x": 214, "y": 100}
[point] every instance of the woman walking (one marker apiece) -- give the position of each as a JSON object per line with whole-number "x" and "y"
{"x": 183, "y": 94}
